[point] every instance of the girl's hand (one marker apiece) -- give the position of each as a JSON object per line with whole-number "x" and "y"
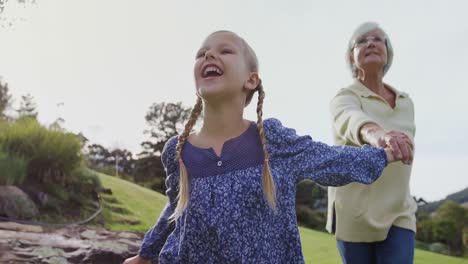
{"x": 137, "y": 260}
{"x": 400, "y": 144}
{"x": 391, "y": 157}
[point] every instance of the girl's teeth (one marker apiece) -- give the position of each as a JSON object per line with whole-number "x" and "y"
{"x": 212, "y": 69}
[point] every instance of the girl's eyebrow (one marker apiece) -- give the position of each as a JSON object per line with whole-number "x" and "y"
{"x": 224, "y": 45}
{"x": 221, "y": 45}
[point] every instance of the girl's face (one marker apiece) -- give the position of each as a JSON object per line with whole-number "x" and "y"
{"x": 221, "y": 68}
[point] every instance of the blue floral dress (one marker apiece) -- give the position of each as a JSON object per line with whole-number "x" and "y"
{"x": 228, "y": 219}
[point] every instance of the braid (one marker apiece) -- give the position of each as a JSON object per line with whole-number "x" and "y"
{"x": 267, "y": 180}
{"x": 183, "y": 196}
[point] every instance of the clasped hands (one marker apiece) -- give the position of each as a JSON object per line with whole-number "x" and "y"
{"x": 397, "y": 145}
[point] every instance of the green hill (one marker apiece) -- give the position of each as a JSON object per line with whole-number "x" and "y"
{"x": 132, "y": 207}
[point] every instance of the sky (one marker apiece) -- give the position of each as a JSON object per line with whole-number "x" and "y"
{"x": 100, "y": 65}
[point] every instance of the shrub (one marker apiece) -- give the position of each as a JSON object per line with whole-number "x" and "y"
{"x": 157, "y": 184}
{"x": 12, "y": 169}
{"x": 421, "y": 245}
{"x": 52, "y": 155}
{"x": 311, "y": 218}
{"x": 425, "y": 229}
{"x": 85, "y": 180}
{"x": 78, "y": 198}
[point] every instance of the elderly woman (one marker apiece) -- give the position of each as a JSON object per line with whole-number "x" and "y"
{"x": 374, "y": 223}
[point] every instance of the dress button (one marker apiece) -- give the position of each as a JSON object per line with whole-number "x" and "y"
{"x": 220, "y": 163}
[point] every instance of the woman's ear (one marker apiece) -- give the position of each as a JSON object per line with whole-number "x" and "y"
{"x": 351, "y": 57}
{"x": 355, "y": 70}
{"x": 252, "y": 82}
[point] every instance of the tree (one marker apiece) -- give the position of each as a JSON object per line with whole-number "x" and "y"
{"x": 98, "y": 155}
{"x": 115, "y": 162}
{"x": 165, "y": 121}
{"x": 5, "y": 19}
{"x": 57, "y": 125}
{"x": 425, "y": 227}
{"x": 5, "y": 99}
{"x": 310, "y": 194}
{"x": 449, "y": 222}
{"x": 27, "y": 107}
{"x": 122, "y": 160}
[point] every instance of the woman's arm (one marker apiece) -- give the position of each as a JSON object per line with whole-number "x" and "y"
{"x": 348, "y": 117}
{"x": 398, "y": 142}
{"x": 353, "y": 125}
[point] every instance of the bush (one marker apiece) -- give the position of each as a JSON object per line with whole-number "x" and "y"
{"x": 85, "y": 180}
{"x": 12, "y": 169}
{"x": 52, "y": 155}
{"x": 421, "y": 245}
{"x": 52, "y": 167}
{"x": 308, "y": 193}
{"x": 77, "y": 199}
{"x": 311, "y": 218}
{"x": 83, "y": 185}
{"x": 425, "y": 229}
{"x": 157, "y": 184}
{"x": 108, "y": 170}
{"x": 448, "y": 225}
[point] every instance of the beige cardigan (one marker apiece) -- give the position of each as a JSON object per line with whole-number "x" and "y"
{"x": 365, "y": 213}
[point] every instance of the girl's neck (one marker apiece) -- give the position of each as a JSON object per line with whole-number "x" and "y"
{"x": 223, "y": 121}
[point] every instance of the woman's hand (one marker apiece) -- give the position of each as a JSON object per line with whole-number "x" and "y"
{"x": 137, "y": 260}
{"x": 405, "y": 157}
{"x": 398, "y": 143}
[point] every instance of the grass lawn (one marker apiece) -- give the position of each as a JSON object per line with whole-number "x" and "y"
{"x": 319, "y": 247}
{"x": 145, "y": 205}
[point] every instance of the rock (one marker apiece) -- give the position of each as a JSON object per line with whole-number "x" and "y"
{"x": 19, "y": 227}
{"x": 128, "y": 235}
{"x": 15, "y": 204}
{"x": 106, "y": 190}
{"x": 75, "y": 244}
{"x": 91, "y": 235}
{"x": 438, "y": 248}
{"x": 118, "y": 209}
{"x": 42, "y": 198}
{"x": 111, "y": 200}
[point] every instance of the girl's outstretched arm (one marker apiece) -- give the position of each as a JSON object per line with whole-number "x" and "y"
{"x": 157, "y": 235}
{"x": 324, "y": 164}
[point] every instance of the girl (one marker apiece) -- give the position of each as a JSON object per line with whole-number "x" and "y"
{"x": 231, "y": 186}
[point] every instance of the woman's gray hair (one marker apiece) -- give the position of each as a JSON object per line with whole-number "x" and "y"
{"x": 361, "y": 30}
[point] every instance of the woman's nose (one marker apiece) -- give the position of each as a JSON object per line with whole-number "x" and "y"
{"x": 370, "y": 44}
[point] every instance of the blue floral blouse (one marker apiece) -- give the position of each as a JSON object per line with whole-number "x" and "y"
{"x": 228, "y": 219}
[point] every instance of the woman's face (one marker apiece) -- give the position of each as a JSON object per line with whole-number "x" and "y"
{"x": 369, "y": 51}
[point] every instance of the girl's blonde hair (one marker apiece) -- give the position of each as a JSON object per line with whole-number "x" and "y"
{"x": 267, "y": 180}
